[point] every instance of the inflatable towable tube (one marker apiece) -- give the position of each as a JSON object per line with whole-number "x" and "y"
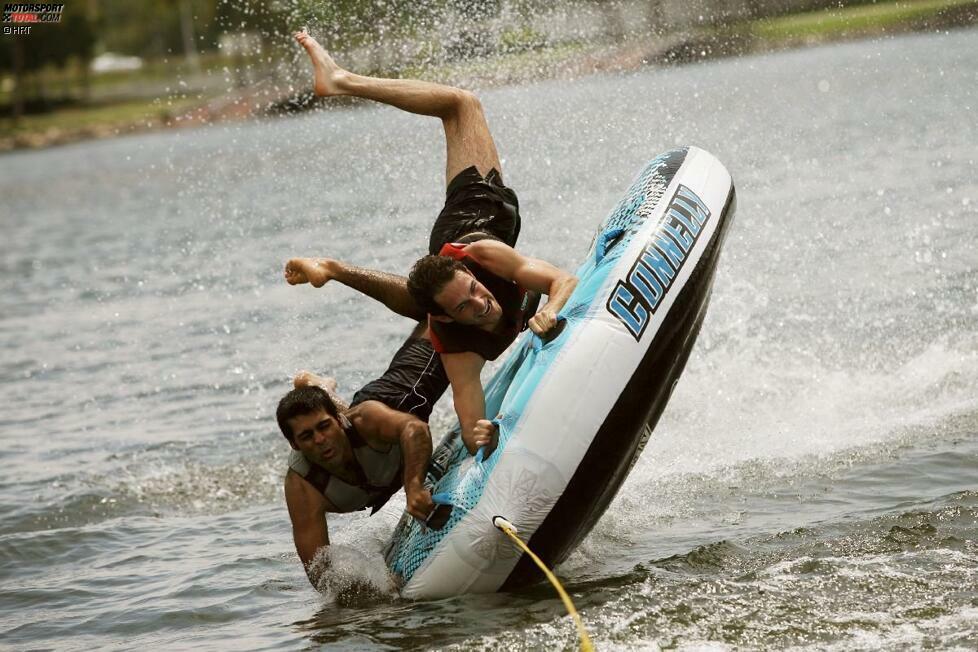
{"x": 576, "y": 411}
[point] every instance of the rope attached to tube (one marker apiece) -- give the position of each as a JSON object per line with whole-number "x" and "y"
{"x": 510, "y": 530}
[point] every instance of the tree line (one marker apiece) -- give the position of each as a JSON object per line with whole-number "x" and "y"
{"x": 182, "y": 31}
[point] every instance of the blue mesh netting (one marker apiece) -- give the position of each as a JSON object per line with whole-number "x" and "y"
{"x": 512, "y": 386}
{"x": 638, "y": 203}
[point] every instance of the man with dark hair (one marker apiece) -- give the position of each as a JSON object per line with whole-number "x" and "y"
{"x": 346, "y": 460}
{"x": 479, "y": 298}
{"x": 474, "y": 325}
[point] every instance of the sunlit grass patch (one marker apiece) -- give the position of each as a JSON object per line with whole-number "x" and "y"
{"x": 517, "y": 65}
{"x": 116, "y": 115}
{"x": 834, "y": 22}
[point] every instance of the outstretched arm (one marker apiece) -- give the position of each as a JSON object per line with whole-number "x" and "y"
{"x": 463, "y": 371}
{"x": 389, "y": 289}
{"x": 532, "y": 273}
{"x": 376, "y": 421}
{"x": 307, "y": 509}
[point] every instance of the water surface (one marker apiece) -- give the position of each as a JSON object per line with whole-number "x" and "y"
{"x": 813, "y": 483}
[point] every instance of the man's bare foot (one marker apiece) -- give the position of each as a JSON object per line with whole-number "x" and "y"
{"x": 317, "y": 271}
{"x": 328, "y": 77}
{"x": 309, "y": 379}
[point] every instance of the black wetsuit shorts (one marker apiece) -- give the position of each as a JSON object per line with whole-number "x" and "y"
{"x": 476, "y": 205}
{"x": 413, "y": 382}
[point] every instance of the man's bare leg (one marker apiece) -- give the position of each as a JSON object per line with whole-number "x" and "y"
{"x": 467, "y": 137}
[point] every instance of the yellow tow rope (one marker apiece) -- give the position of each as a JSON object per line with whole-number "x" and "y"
{"x": 510, "y": 530}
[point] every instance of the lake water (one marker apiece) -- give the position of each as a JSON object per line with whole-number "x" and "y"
{"x": 813, "y": 483}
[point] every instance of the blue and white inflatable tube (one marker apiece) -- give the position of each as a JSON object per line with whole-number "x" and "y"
{"x": 575, "y": 412}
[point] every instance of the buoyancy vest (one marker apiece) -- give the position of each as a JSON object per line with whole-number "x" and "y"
{"x": 517, "y": 303}
{"x": 380, "y": 475}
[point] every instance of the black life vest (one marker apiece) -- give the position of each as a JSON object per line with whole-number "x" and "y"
{"x": 517, "y": 303}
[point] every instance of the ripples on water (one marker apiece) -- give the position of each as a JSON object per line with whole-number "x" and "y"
{"x": 813, "y": 483}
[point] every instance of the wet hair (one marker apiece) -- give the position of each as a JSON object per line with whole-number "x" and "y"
{"x": 303, "y": 400}
{"x": 427, "y": 278}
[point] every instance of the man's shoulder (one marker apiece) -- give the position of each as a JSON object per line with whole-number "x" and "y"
{"x": 370, "y": 418}
{"x": 486, "y": 250}
{"x": 363, "y": 412}
{"x": 294, "y": 481}
{"x": 302, "y": 498}
{"x": 497, "y": 261}
{"x": 299, "y": 489}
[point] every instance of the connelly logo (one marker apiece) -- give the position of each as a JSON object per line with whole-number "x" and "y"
{"x": 32, "y": 12}
{"x": 635, "y": 299}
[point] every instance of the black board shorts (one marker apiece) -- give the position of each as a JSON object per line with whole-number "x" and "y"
{"x": 476, "y": 204}
{"x": 413, "y": 382}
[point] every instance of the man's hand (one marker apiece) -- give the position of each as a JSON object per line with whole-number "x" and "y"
{"x": 316, "y": 271}
{"x": 485, "y": 434}
{"x": 419, "y": 503}
{"x": 543, "y": 321}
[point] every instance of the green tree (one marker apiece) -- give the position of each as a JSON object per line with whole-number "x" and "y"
{"x": 47, "y": 46}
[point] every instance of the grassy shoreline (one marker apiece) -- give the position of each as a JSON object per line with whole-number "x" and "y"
{"x": 568, "y": 60}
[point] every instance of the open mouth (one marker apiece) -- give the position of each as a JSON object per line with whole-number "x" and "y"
{"x": 488, "y": 308}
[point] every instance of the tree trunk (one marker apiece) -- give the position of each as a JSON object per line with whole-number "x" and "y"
{"x": 18, "y": 78}
{"x": 614, "y": 24}
{"x": 187, "y": 30}
{"x": 654, "y": 16}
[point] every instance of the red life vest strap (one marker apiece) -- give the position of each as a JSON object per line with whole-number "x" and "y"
{"x": 454, "y": 250}
{"x": 435, "y": 342}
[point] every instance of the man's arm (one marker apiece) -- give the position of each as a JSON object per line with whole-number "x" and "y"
{"x": 389, "y": 289}
{"x": 307, "y": 509}
{"x": 532, "y": 273}
{"x": 375, "y": 421}
{"x": 463, "y": 371}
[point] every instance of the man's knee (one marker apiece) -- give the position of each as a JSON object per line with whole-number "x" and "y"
{"x": 469, "y": 100}
{"x": 465, "y": 103}
{"x": 474, "y": 107}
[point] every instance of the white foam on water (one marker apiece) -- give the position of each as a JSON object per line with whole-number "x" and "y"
{"x": 954, "y": 632}
{"x": 352, "y": 575}
{"x": 731, "y": 407}
{"x": 753, "y": 413}
{"x": 735, "y": 419}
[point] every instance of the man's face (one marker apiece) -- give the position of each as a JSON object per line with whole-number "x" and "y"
{"x": 321, "y": 439}
{"x": 468, "y": 302}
